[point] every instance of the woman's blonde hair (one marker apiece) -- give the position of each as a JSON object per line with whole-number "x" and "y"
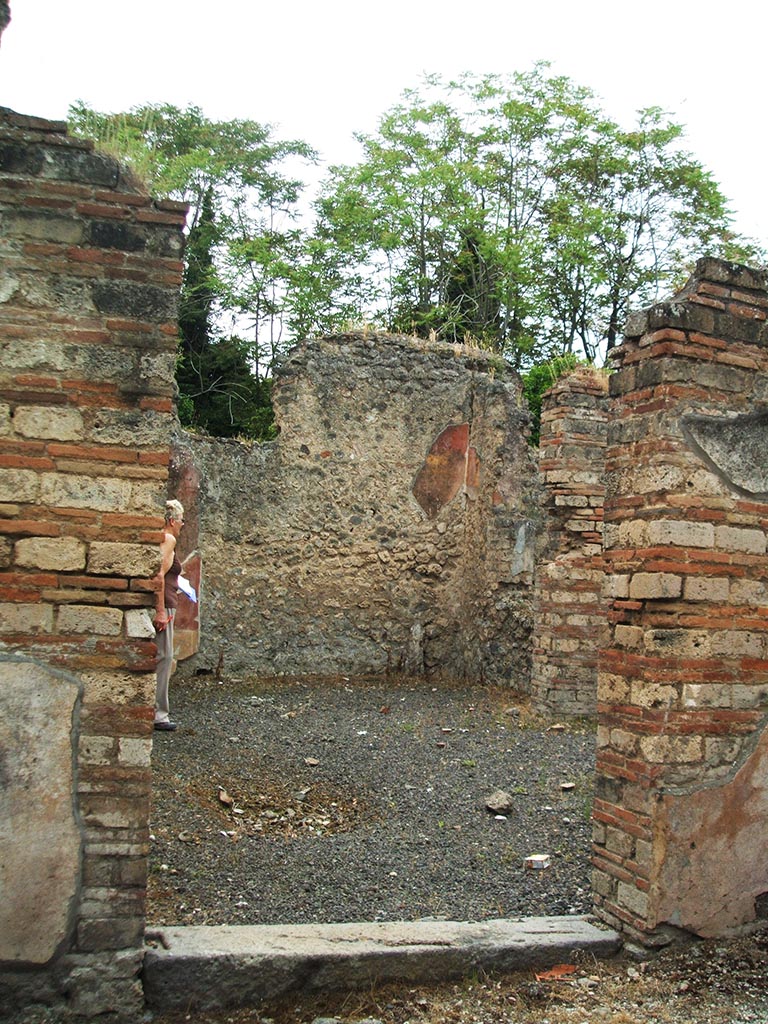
{"x": 174, "y": 510}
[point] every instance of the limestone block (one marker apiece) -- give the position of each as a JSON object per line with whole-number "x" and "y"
{"x": 611, "y": 688}
{"x": 40, "y": 840}
{"x": 633, "y": 534}
{"x": 681, "y": 533}
{"x": 57, "y": 422}
{"x": 752, "y": 592}
{"x": 629, "y": 636}
{"x": 705, "y": 588}
{"x": 616, "y": 585}
{"x": 647, "y": 694}
{"x": 26, "y": 618}
{"x": 19, "y": 485}
{"x": 736, "y": 446}
{"x": 118, "y": 687}
{"x": 743, "y": 696}
{"x": 138, "y": 623}
{"x": 711, "y": 695}
{"x": 632, "y": 899}
{"x": 108, "y": 558}
{"x": 619, "y": 842}
{"x": 672, "y": 749}
{"x": 43, "y": 226}
{"x": 737, "y": 643}
{"x": 678, "y": 643}
{"x": 135, "y": 752}
{"x": 731, "y": 538}
{"x": 650, "y": 479}
{"x": 96, "y": 750}
{"x": 103, "y": 494}
{"x": 85, "y": 618}
{"x": 623, "y": 741}
{"x": 655, "y": 586}
{"x": 147, "y": 496}
{"x": 62, "y": 554}
{"x": 5, "y": 419}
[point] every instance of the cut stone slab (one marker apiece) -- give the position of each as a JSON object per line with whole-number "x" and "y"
{"x": 217, "y": 967}
{"x": 40, "y": 837}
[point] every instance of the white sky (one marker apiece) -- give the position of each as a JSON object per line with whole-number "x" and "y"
{"x": 319, "y": 70}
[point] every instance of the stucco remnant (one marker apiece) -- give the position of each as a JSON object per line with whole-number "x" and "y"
{"x": 40, "y": 837}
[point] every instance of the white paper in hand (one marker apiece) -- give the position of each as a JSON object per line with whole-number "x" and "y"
{"x": 186, "y": 588}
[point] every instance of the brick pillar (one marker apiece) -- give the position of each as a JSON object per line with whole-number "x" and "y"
{"x": 569, "y": 608}
{"x": 88, "y": 293}
{"x": 682, "y": 792}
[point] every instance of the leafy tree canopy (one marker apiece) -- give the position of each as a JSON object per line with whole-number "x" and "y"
{"x": 513, "y": 210}
{"x": 506, "y": 209}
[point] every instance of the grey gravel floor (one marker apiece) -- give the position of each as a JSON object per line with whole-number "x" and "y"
{"x": 349, "y": 800}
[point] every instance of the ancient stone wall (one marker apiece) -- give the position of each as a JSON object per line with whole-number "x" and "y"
{"x": 89, "y": 279}
{"x": 389, "y": 528}
{"x": 682, "y": 788}
{"x": 569, "y": 612}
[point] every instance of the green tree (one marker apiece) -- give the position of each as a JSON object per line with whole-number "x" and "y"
{"x": 512, "y": 209}
{"x": 242, "y": 252}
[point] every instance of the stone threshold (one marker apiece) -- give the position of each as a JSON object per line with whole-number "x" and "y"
{"x": 216, "y": 967}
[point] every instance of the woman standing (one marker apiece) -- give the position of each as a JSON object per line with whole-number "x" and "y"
{"x": 166, "y": 602}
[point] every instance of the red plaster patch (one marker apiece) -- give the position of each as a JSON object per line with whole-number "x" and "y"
{"x": 450, "y": 465}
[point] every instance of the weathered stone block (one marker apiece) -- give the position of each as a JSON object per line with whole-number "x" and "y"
{"x": 118, "y": 688}
{"x": 64, "y": 554}
{"x": 40, "y": 839}
{"x": 678, "y": 643}
{"x": 655, "y": 586}
{"x": 80, "y": 166}
{"x": 731, "y": 538}
{"x": 43, "y": 226}
{"x": 672, "y": 749}
{"x": 136, "y": 301}
{"x": 632, "y": 899}
{"x": 616, "y": 585}
{"x": 138, "y": 623}
{"x": 26, "y": 618}
{"x": 706, "y": 588}
{"x": 134, "y": 751}
{"x": 97, "y": 750}
{"x": 629, "y": 636}
{"x": 84, "y": 618}
{"x": 57, "y": 422}
{"x": 108, "y": 558}
{"x": 612, "y": 688}
{"x": 734, "y": 643}
{"x": 681, "y": 533}
{"x": 19, "y": 485}
{"x": 101, "y": 493}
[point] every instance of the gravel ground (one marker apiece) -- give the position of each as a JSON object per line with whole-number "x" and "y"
{"x": 352, "y": 800}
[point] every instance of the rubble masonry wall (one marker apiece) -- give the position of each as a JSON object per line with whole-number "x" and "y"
{"x": 390, "y": 528}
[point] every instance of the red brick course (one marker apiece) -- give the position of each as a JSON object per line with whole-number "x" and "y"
{"x": 84, "y": 463}
{"x": 665, "y": 711}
